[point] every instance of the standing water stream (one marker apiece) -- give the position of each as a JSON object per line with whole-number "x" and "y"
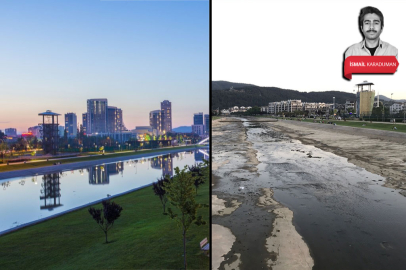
{"x": 27, "y": 199}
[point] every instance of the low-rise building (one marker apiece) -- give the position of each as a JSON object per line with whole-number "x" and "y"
{"x": 35, "y": 131}
{"x": 396, "y": 108}
{"x": 11, "y": 132}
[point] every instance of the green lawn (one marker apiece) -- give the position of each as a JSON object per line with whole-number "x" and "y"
{"x": 359, "y": 124}
{"x": 215, "y": 117}
{"x": 142, "y": 238}
{"x": 31, "y": 165}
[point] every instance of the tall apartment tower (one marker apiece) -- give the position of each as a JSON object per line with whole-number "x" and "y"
{"x": 96, "y": 116}
{"x": 206, "y": 124}
{"x": 198, "y": 124}
{"x": 166, "y": 116}
{"x": 84, "y": 122}
{"x": 155, "y": 120}
{"x": 71, "y": 124}
{"x": 114, "y": 119}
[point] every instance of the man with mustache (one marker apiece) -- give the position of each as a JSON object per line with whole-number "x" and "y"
{"x": 371, "y": 25}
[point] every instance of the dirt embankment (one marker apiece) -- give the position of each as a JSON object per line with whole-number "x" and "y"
{"x": 379, "y": 152}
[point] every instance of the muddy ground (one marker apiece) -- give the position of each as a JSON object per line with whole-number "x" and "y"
{"x": 379, "y": 152}
{"x": 260, "y": 234}
{"x": 325, "y": 199}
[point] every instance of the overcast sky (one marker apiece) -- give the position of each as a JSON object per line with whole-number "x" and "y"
{"x": 299, "y": 45}
{"x": 54, "y": 55}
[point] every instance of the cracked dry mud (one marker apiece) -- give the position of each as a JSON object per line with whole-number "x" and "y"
{"x": 290, "y": 205}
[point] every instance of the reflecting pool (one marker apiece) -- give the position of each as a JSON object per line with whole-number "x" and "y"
{"x": 27, "y": 199}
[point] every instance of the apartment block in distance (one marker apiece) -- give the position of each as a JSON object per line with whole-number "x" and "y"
{"x": 84, "y": 122}
{"x": 198, "y": 124}
{"x": 166, "y": 116}
{"x": 96, "y": 116}
{"x": 71, "y": 124}
{"x": 114, "y": 119}
{"x": 207, "y": 124}
{"x": 12, "y": 132}
{"x": 155, "y": 120}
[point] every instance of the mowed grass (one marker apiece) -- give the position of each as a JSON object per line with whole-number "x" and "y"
{"x": 32, "y": 165}
{"x": 141, "y": 238}
{"x": 359, "y": 124}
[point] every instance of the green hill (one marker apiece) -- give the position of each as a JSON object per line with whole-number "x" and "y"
{"x": 223, "y": 96}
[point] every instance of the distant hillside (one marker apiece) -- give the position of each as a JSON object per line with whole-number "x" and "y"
{"x": 251, "y": 95}
{"x": 382, "y": 97}
{"x": 183, "y": 129}
{"x": 224, "y": 85}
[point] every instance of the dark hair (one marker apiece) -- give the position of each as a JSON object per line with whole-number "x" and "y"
{"x": 367, "y": 10}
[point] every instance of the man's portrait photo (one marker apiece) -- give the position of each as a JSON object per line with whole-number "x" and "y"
{"x": 371, "y": 24}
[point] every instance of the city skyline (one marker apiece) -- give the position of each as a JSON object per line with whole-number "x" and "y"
{"x": 107, "y": 121}
{"x": 60, "y": 54}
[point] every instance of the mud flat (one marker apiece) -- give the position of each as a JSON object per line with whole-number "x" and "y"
{"x": 245, "y": 210}
{"x": 379, "y": 152}
{"x": 293, "y": 205}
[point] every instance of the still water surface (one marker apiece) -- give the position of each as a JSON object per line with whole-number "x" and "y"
{"x": 27, "y": 199}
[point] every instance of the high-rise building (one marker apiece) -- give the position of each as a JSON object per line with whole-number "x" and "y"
{"x": 155, "y": 120}
{"x": 207, "y": 124}
{"x": 71, "y": 124}
{"x": 12, "y": 132}
{"x": 166, "y": 116}
{"x": 198, "y": 119}
{"x": 198, "y": 124}
{"x": 96, "y": 116}
{"x": 84, "y": 122}
{"x": 114, "y": 119}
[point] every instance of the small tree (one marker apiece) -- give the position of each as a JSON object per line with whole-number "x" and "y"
{"x": 159, "y": 190}
{"x": 197, "y": 174}
{"x": 181, "y": 194}
{"x": 105, "y": 217}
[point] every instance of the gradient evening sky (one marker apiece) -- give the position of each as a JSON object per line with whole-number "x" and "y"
{"x": 299, "y": 45}
{"x": 54, "y": 55}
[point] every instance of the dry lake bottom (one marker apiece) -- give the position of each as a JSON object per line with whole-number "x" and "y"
{"x": 293, "y": 195}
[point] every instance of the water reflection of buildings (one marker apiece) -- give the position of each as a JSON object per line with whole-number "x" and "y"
{"x": 100, "y": 175}
{"x": 199, "y": 156}
{"x": 165, "y": 163}
{"x": 51, "y": 191}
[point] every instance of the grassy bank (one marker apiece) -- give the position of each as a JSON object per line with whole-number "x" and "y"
{"x": 358, "y": 124}
{"x": 39, "y": 164}
{"x": 142, "y": 238}
{"x": 362, "y": 124}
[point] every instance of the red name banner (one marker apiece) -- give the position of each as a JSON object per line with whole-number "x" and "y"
{"x": 369, "y": 64}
